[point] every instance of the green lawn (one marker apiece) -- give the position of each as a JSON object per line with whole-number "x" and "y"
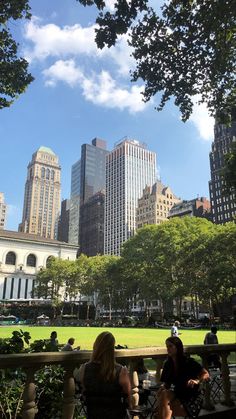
{"x": 133, "y": 338}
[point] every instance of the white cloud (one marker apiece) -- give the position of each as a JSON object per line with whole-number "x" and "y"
{"x": 51, "y": 40}
{"x": 110, "y": 5}
{"x": 121, "y": 55}
{"x": 103, "y": 90}
{"x": 202, "y": 121}
{"x": 69, "y": 46}
{"x": 100, "y": 89}
{"x": 74, "y": 41}
{"x": 63, "y": 71}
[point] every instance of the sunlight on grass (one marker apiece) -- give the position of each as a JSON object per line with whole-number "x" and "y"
{"x": 133, "y": 338}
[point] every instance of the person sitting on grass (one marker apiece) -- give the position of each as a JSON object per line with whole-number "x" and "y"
{"x": 180, "y": 382}
{"x": 104, "y": 383}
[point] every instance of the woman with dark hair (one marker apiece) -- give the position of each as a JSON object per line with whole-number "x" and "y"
{"x": 104, "y": 382}
{"x": 181, "y": 376}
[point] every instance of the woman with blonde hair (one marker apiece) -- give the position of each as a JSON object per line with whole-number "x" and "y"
{"x": 105, "y": 384}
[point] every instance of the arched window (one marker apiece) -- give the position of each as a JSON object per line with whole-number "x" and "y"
{"x": 10, "y": 258}
{"x": 49, "y": 259}
{"x": 31, "y": 260}
{"x": 52, "y": 174}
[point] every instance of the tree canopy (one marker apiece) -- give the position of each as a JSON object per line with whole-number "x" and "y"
{"x": 186, "y": 51}
{"x": 14, "y": 75}
{"x": 185, "y": 257}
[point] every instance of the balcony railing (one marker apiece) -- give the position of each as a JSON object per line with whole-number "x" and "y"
{"x": 69, "y": 360}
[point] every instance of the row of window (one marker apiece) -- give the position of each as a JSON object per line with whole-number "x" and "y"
{"x": 31, "y": 259}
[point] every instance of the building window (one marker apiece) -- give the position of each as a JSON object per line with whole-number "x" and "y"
{"x": 49, "y": 259}
{"x": 10, "y": 258}
{"x": 31, "y": 260}
{"x": 42, "y": 173}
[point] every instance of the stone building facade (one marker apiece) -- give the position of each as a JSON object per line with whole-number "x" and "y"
{"x": 42, "y": 198}
{"x": 21, "y": 258}
{"x": 197, "y": 207}
{"x": 155, "y": 204}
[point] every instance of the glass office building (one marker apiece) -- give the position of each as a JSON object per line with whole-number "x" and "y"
{"x": 93, "y": 163}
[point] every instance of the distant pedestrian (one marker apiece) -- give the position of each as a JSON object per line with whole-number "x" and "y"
{"x": 174, "y": 329}
{"x": 212, "y": 339}
{"x": 69, "y": 345}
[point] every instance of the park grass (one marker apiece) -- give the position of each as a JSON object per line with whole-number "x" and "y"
{"x": 132, "y": 337}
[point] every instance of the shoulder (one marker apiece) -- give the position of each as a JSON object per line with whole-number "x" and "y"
{"x": 83, "y": 367}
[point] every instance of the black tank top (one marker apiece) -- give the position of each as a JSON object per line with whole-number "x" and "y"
{"x": 103, "y": 398}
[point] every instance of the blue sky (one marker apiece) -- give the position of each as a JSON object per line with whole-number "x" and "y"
{"x": 80, "y": 93}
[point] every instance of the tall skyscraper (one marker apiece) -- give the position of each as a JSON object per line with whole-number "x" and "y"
{"x": 75, "y": 179}
{"x": 223, "y": 206}
{"x": 93, "y": 163}
{"x": 3, "y": 211}
{"x": 63, "y": 225}
{"x": 74, "y": 203}
{"x": 92, "y": 181}
{"x": 74, "y": 220}
{"x": 42, "y": 195}
{"x": 92, "y": 220}
{"x": 129, "y": 168}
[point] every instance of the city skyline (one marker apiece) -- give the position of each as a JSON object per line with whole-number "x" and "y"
{"x": 80, "y": 93}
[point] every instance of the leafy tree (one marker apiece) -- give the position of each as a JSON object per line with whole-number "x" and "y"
{"x": 103, "y": 281}
{"x": 161, "y": 258}
{"x": 217, "y": 282}
{"x": 75, "y": 276}
{"x": 14, "y": 76}
{"x": 186, "y": 49}
{"x": 50, "y": 281}
{"x": 142, "y": 266}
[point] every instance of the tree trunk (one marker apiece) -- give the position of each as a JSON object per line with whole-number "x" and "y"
{"x": 196, "y": 306}
{"x": 87, "y": 316}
